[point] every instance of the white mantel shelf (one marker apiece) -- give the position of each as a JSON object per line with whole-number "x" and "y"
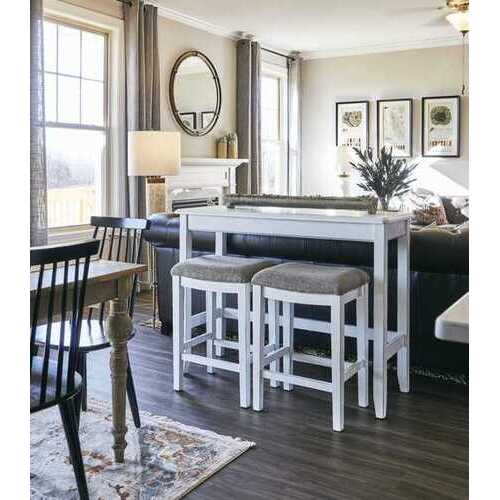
{"x": 212, "y": 162}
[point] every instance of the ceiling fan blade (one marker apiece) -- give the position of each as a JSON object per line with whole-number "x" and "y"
{"x": 437, "y": 21}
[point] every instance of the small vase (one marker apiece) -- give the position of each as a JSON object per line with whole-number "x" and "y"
{"x": 384, "y": 203}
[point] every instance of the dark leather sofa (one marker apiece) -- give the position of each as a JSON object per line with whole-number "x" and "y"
{"x": 439, "y": 276}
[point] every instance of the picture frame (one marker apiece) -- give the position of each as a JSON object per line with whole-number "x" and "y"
{"x": 441, "y": 124}
{"x": 352, "y": 120}
{"x": 395, "y": 126}
{"x": 189, "y": 119}
{"x": 206, "y": 118}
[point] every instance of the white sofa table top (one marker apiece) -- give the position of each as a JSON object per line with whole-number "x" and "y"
{"x": 453, "y": 324}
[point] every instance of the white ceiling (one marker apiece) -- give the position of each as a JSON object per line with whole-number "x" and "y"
{"x": 321, "y": 28}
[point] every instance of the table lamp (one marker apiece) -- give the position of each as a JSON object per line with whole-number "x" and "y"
{"x": 344, "y": 157}
{"x": 154, "y": 154}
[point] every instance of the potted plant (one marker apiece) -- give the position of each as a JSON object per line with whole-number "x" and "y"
{"x": 385, "y": 176}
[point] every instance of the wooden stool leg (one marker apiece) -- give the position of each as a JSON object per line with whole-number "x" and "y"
{"x": 362, "y": 347}
{"x": 178, "y": 331}
{"x": 337, "y": 343}
{"x": 258, "y": 348}
{"x": 274, "y": 334}
{"x": 288, "y": 312}
{"x": 210, "y": 311}
{"x": 244, "y": 345}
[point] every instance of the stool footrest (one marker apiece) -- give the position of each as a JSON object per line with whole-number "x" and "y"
{"x": 216, "y": 363}
{"x": 273, "y": 356}
{"x": 199, "y": 339}
{"x": 310, "y": 383}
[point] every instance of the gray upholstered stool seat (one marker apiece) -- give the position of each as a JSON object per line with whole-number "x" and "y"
{"x": 221, "y": 268}
{"x": 304, "y": 277}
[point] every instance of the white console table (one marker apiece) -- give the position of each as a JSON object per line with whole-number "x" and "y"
{"x": 202, "y": 178}
{"x": 344, "y": 225}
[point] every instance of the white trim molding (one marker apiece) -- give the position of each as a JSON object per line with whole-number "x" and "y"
{"x": 385, "y": 47}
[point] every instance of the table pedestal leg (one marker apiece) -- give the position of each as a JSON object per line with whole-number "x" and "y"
{"x": 119, "y": 328}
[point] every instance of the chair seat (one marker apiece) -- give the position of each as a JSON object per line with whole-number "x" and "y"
{"x": 92, "y": 336}
{"x": 305, "y": 277}
{"x": 50, "y": 395}
{"x": 221, "y": 268}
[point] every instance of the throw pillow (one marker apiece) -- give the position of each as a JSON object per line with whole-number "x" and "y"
{"x": 430, "y": 214}
{"x": 453, "y": 214}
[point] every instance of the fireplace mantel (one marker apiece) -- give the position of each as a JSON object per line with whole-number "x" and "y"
{"x": 202, "y": 179}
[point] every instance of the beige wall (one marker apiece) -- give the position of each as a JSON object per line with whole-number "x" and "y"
{"x": 108, "y": 7}
{"x": 414, "y": 73}
{"x": 174, "y": 39}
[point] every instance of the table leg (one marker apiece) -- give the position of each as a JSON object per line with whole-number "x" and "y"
{"x": 380, "y": 323}
{"x": 404, "y": 311}
{"x": 220, "y": 324}
{"x": 119, "y": 328}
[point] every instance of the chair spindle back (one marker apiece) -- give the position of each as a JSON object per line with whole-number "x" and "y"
{"x": 60, "y": 291}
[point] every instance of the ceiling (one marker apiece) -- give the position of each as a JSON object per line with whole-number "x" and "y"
{"x": 322, "y": 28}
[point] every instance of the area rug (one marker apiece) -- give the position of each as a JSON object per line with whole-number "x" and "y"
{"x": 164, "y": 459}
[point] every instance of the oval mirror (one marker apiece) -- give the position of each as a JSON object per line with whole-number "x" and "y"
{"x": 195, "y": 94}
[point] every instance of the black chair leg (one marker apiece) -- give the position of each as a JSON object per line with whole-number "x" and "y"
{"x": 132, "y": 398}
{"x": 82, "y": 370}
{"x": 68, "y": 417}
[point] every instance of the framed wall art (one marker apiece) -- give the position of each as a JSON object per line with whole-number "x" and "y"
{"x": 206, "y": 118}
{"x": 394, "y": 126}
{"x": 189, "y": 119}
{"x": 441, "y": 126}
{"x": 352, "y": 120}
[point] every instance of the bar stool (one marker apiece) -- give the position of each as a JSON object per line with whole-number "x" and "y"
{"x": 212, "y": 274}
{"x": 305, "y": 283}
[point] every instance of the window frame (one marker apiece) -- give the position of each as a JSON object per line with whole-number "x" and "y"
{"x": 281, "y": 73}
{"x": 103, "y": 181}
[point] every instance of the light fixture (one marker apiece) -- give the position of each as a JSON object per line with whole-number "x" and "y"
{"x": 459, "y": 20}
{"x": 154, "y": 154}
{"x": 344, "y": 158}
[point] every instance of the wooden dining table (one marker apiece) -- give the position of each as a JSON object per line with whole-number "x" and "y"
{"x": 108, "y": 281}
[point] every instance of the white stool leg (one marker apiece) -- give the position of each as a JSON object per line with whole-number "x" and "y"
{"x": 288, "y": 312}
{"x": 188, "y": 330}
{"x": 337, "y": 343}
{"x": 210, "y": 311}
{"x": 274, "y": 334}
{"x": 362, "y": 346}
{"x": 220, "y": 331}
{"x": 178, "y": 330}
{"x": 244, "y": 345}
{"x": 258, "y": 348}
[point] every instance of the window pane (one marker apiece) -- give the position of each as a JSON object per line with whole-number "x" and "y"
{"x": 270, "y": 108}
{"x": 92, "y": 56}
{"x": 75, "y": 159}
{"x": 68, "y": 99}
{"x": 271, "y": 168}
{"x": 69, "y": 51}
{"x": 92, "y": 103}
{"x": 50, "y": 46}
{"x": 50, "y": 97}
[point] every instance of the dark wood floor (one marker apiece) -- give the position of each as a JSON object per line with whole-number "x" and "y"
{"x": 419, "y": 452}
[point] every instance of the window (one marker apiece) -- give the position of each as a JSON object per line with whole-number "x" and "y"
{"x": 75, "y": 60}
{"x": 274, "y": 130}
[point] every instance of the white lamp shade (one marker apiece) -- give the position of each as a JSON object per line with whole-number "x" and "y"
{"x": 154, "y": 153}
{"x": 344, "y": 157}
{"x": 459, "y": 20}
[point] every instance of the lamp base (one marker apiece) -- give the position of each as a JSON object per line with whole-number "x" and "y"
{"x": 155, "y": 195}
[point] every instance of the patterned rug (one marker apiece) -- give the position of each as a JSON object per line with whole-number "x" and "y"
{"x": 164, "y": 459}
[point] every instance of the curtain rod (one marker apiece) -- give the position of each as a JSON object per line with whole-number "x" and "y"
{"x": 277, "y": 53}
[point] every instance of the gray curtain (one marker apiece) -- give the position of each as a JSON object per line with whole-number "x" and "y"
{"x": 294, "y": 125}
{"x": 38, "y": 171}
{"x": 248, "y": 64}
{"x": 143, "y": 86}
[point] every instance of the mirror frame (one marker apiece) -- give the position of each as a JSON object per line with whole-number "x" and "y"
{"x": 175, "y": 112}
